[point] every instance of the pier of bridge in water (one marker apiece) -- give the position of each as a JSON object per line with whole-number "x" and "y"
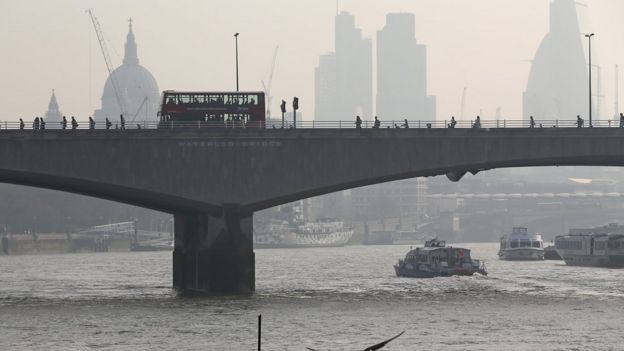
{"x": 213, "y": 176}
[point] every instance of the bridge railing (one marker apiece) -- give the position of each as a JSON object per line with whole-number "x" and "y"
{"x": 273, "y": 124}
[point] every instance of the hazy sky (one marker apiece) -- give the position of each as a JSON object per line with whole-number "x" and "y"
{"x": 484, "y": 45}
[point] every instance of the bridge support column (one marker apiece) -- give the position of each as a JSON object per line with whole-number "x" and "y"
{"x": 214, "y": 255}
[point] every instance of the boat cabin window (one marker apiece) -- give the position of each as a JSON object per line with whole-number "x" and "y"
{"x": 569, "y": 245}
{"x": 525, "y": 243}
{"x": 537, "y": 244}
{"x": 599, "y": 245}
{"x": 514, "y": 243}
{"x": 614, "y": 244}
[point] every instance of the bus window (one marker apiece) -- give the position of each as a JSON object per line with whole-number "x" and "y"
{"x": 184, "y": 99}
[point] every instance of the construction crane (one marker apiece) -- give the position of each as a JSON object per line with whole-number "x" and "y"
{"x": 107, "y": 59}
{"x": 267, "y": 86}
{"x": 145, "y": 100}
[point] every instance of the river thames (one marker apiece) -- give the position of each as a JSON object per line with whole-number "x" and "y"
{"x": 328, "y": 299}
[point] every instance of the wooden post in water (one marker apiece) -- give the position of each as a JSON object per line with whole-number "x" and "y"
{"x": 259, "y": 332}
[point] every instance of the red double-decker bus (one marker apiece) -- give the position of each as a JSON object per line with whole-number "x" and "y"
{"x": 213, "y": 108}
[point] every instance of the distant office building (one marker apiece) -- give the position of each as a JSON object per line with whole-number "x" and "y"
{"x": 53, "y": 114}
{"x": 402, "y": 72}
{"x": 404, "y": 199}
{"x": 343, "y": 80}
{"x": 558, "y": 82}
{"x": 132, "y": 86}
{"x": 325, "y": 88}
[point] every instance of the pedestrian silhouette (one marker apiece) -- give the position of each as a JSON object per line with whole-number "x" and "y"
{"x": 36, "y": 123}
{"x": 453, "y": 122}
{"x": 91, "y": 123}
{"x": 108, "y": 123}
{"x": 579, "y": 122}
{"x": 122, "y": 121}
{"x": 21, "y": 124}
{"x": 621, "y": 120}
{"x": 477, "y": 123}
{"x": 531, "y": 122}
{"x": 74, "y": 123}
{"x": 358, "y": 122}
{"x": 405, "y": 124}
{"x": 64, "y": 123}
{"x": 41, "y": 123}
{"x": 377, "y": 123}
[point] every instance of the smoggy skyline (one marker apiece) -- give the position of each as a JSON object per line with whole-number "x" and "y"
{"x": 484, "y": 45}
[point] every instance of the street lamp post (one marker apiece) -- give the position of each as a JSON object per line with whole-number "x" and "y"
{"x": 589, "y": 37}
{"x": 236, "y": 39}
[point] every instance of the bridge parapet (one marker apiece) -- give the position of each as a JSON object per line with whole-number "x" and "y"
{"x": 340, "y": 124}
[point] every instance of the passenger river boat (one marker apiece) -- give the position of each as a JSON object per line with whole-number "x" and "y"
{"x": 521, "y": 245}
{"x": 435, "y": 259}
{"x": 598, "y": 247}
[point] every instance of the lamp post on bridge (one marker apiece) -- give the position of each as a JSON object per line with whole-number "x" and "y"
{"x": 236, "y": 40}
{"x": 589, "y": 37}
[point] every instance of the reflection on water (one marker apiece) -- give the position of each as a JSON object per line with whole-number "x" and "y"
{"x": 326, "y": 298}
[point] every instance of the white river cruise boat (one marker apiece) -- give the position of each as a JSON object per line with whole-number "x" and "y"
{"x": 321, "y": 233}
{"x": 598, "y": 247}
{"x": 289, "y": 227}
{"x": 521, "y": 245}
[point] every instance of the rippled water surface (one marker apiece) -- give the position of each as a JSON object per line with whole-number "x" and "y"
{"x": 329, "y": 299}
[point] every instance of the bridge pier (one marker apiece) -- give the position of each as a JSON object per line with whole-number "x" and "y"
{"x": 214, "y": 254}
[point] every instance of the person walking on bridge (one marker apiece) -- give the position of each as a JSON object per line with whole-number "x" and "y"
{"x": 109, "y": 124}
{"x": 21, "y": 124}
{"x": 453, "y": 122}
{"x": 377, "y": 123}
{"x": 405, "y": 124}
{"x": 64, "y": 123}
{"x": 358, "y": 122}
{"x": 36, "y": 123}
{"x": 91, "y": 123}
{"x": 74, "y": 123}
{"x": 41, "y": 124}
{"x": 477, "y": 122}
{"x": 579, "y": 122}
{"x": 621, "y": 120}
{"x": 122, "y": 121}
{"x": 531, "y": 122}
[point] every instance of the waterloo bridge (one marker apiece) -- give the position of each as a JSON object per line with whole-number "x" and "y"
{"x": 213, "y": 179}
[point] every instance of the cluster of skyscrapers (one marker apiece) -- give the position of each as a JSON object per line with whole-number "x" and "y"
{"x": 344, "y": 78}
{"x": 557, "y": 87}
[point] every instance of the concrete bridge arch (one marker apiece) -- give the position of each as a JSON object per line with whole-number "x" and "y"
{"x": 212, "y": 180}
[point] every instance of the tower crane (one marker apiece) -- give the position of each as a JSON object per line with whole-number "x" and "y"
{"x": 107, "y": 59}
{"x": 267, "y": 87}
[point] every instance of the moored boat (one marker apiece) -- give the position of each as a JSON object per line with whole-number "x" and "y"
{"x": 435, "y": 259}
{"x": 598, "y": 247}
{"x": 521, "y": 245}
{"x": 320, "y": 233}
{"x": 550, "y": 253}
